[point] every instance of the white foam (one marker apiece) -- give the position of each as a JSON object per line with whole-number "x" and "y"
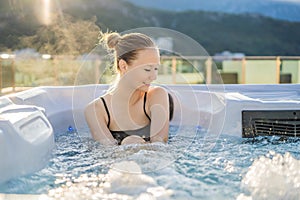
{"x": 273, "y": 176}
{"x": 124, "y": 180}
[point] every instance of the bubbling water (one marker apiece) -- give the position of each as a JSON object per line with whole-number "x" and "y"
{"x": 273, "y": 176}
{"x": 124, "y": 180}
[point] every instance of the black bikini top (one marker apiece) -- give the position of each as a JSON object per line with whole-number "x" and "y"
{"x": 143, "y": 132}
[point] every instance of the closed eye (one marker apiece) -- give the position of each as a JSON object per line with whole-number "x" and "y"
{"x": 154, "y": 67}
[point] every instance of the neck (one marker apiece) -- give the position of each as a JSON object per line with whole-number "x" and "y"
{"x": 127, "y": 94}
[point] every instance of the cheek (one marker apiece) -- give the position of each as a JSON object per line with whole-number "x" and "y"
{"x": 135, "y": 77}
{"x": 138, "y": 75}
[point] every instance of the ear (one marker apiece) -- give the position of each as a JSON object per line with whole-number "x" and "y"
{"x": 123, "y": 65}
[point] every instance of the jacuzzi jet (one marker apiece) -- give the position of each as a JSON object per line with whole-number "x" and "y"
{"x": 270, "y": 122}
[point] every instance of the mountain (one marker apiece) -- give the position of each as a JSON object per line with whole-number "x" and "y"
{"x": 278, "y": 9}
{"x": 251, "y": 34}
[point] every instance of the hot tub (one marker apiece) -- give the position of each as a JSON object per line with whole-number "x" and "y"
{"x": 30, "y": 118}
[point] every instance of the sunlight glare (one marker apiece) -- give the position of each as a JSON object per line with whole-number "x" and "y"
{"x": 46, "y": 12}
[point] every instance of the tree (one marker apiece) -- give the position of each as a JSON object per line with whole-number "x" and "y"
{"x": 64, "y": 36}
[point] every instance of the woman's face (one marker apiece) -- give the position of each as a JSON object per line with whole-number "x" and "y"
{"x": 142, "y": 71}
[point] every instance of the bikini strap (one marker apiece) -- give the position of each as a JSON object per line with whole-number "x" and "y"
{"x": 107, "y": 112}
{"x": 171, "y": 106}
{"x": 145, "y": 99}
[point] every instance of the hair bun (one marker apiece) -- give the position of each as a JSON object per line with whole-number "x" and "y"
{"x": 112, "y": 40}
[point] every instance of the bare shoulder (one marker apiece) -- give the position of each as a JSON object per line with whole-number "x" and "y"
{"x": 157, "y": 90}
{"x": 92, "y": 104}
{"x": 157, "y": 93}
{"x": 95, "y": 105}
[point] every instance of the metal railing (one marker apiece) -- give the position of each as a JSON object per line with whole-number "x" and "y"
{"x": 19, "y": 74}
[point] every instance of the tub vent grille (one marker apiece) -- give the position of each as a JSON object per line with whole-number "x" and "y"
{"x": 270, "y": 122}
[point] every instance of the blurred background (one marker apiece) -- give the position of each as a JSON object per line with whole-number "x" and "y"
{"x": 47, "y": 42}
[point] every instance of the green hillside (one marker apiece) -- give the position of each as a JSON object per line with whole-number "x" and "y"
{"x": 216, "y": 32}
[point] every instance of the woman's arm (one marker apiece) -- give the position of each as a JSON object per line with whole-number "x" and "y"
{"x": 97, "y": 122}
{"x": 159, "y": 111}
{"x": 133, "y": 139}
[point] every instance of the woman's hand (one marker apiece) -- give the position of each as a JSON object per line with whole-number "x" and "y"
{"x": 157, "y": 138}
{"x": 133, "y": 139}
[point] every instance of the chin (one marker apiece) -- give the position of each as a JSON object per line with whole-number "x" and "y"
{"x": 144, "y": 88}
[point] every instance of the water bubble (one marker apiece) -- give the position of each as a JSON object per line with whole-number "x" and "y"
{"x": 273, "y": 176}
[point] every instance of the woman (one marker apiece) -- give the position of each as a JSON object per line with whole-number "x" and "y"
{"x": 132, "y": 111}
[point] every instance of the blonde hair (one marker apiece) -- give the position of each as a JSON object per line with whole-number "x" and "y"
{"x": 125, "y": 47}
